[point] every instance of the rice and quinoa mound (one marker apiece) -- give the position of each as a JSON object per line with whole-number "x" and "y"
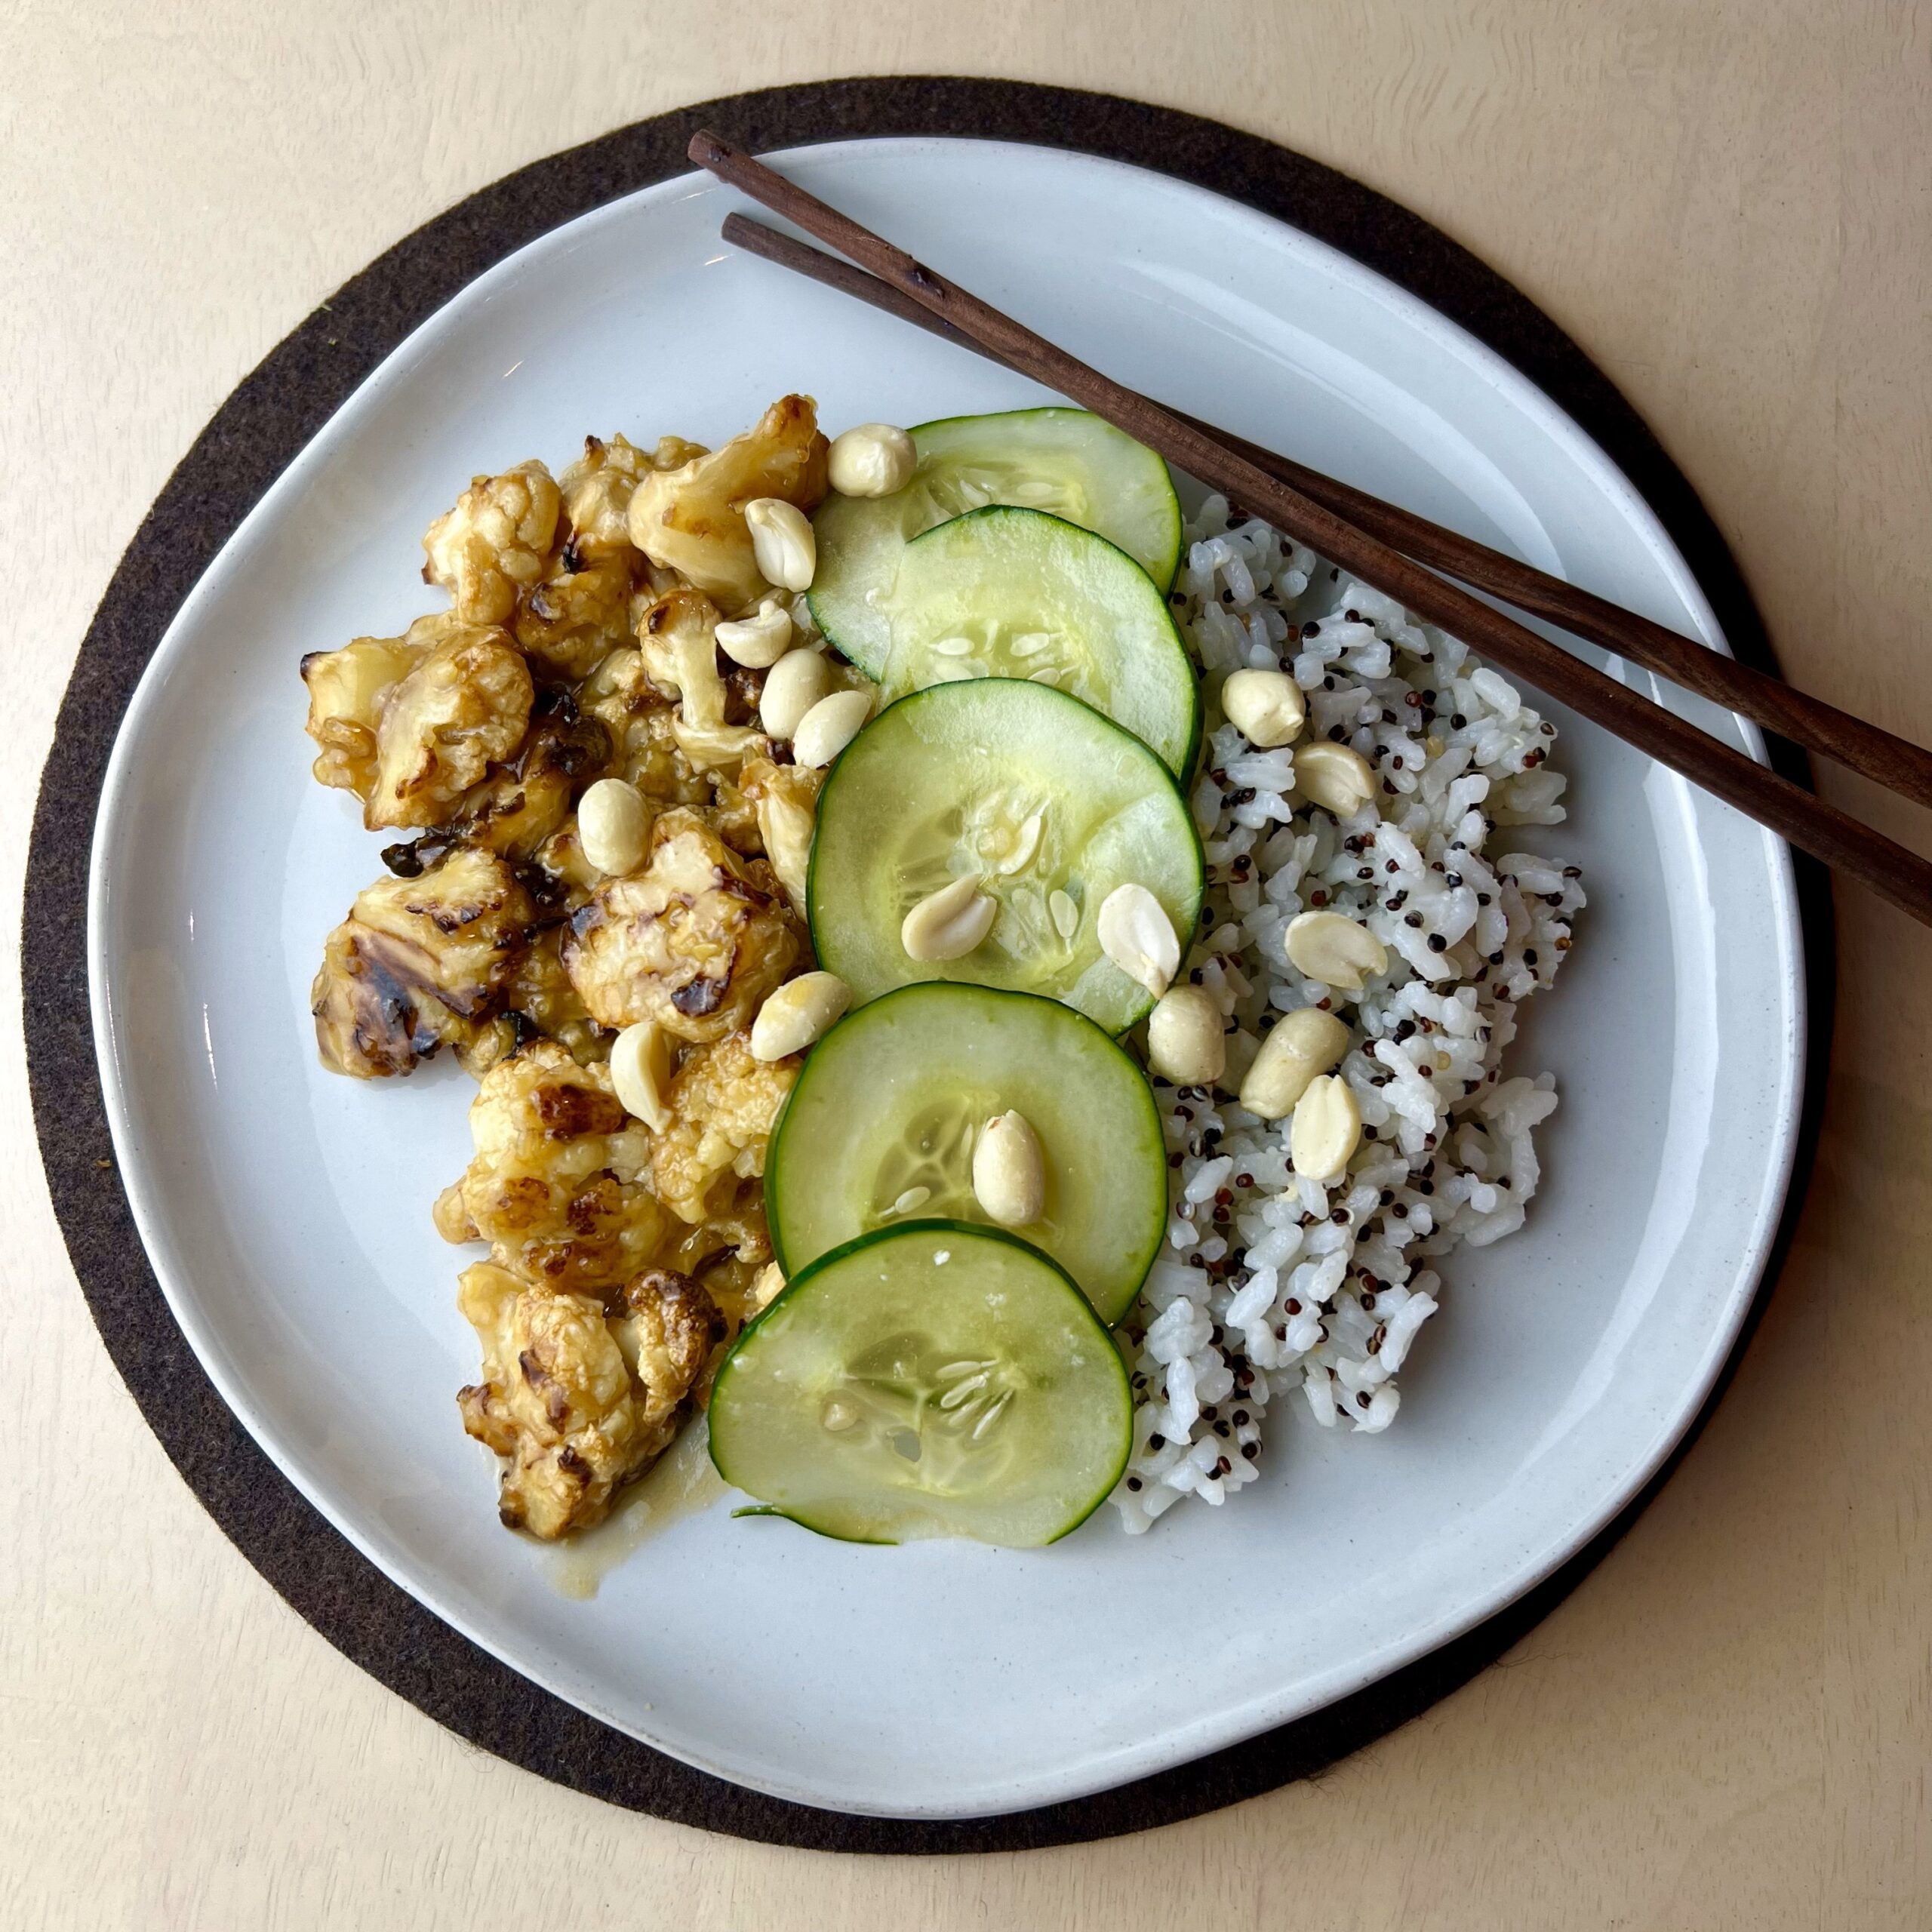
{"x": 1271, "y": 1283}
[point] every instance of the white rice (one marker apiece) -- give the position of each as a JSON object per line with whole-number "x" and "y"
{"x": 1269, "y": 1283}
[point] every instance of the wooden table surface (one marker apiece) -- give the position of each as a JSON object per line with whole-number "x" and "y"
{"x": 1729, "y": 205}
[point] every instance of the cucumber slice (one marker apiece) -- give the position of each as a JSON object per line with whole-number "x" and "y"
{"x": 890, "y": 1105}
{"x": 933, "y": 1380}
{"x": 1015, "y": 593}
{"x": 1035, "y": 794}
{"x": 1063, "y": 460}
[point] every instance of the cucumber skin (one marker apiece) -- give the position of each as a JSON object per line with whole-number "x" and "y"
{"x": 1186, "y": 936}
{"x": 967, "y": 1230}
{"x": 775, "y": 1164}
{"x": 1162, "y": 581}
{"x": 1190, "y": 758}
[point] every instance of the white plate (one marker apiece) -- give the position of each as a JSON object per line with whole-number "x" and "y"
{"x": 287, "y": 1212}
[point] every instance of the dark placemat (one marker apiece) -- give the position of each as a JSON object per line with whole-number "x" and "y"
{"x": 252, "y": 438}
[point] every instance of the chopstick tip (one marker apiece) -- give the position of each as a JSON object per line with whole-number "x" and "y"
{"x": 708, "y": 148}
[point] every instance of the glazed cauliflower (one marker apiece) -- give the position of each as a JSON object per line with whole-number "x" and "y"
{"x": 346, "y": 691}
{"x": 723, "y": 1105}
{"x": 578, "y": 613}
{"x": 493, "y": 545}
{"x": 410, "y": 724}
{"x": 419, "y": 963}
{"x": 558, "y": 1186}
{"x": 695, "y": 941}
{"x": 640, "y": 717}
{"x": 517, "y": 807}
{"x": 597, "y": 488}
{"x": 692, "y": 519}
{"x": 540, "y": 992}
{"x": 580, "y": 1402}
{"x": 677, "y": 634}
{"x": 786, "y": 799}
{"x": 465, "y": 706}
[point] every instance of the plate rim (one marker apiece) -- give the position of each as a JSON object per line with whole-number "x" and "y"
{"x": 1671, "y": 1441}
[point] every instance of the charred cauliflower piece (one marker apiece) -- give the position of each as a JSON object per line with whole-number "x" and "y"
{"x": 410, "y": 724}
{"x": 347, "y": 689}
{"x": 640, "y": 717}
{"x": 596, "y": 488}
{"x": 419, "y": 963}
{"x": 786, "y": 799}
{"x": 463, "y": 708}
{"x": 723, "y": 1104}
{"x": 578, "y": 613}
{"x": 695, "y": 941}
{"x": 579, "y": 1401}
{"x": 558, "y": 1185}
{"x": 494, "y": 545}
{"x": 517, "y": 806}
{"x": 691, "y": 519}
{"x": 677, "y": 634}
{"x": 539, "y": 991}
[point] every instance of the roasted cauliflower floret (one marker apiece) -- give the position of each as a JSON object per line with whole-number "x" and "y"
{"x": 539, "y": 991}
{"x": 465, "y": 706}
{"x": 677, "y": 636}
{"x": 517, "y": 806}
{"x": 410, "y": 724}
{"x": 786, "y": 799}
{"x": 695, "y": 941}
{"x": 692, "y": 519}
{"x": 494, "y": 545}
{"x": 723, "y": 1104}
{"x": 419, "y": 963}
{"x": 558, "y": 1185}
{"x": 579, "y": 613}
{"x": 580, "y": 1402}
{"x": 346, "y": 691}
{"x": 597, "y": 488}
{"x": 641, "y": 718}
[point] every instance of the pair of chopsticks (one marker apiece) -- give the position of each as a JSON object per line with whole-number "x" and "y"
{"x": 1398, "y": 553}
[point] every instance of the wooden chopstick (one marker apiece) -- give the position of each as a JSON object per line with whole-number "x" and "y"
{"x": 1893, "y": 762}
{"x": 1809, "y": 823}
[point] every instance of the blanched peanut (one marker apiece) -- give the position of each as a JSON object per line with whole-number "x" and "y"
{"x": 782, "y": 545}
{"x": 872, "y": 460}
{"x": 1334, "y": 948}
{"x": 757, "y": 642}
{"x": 1186, "y": 1043}
{"x": 640, "y": 1072}
{"x": 948, "y": 924}
{"x": 1265, "y": 707}
{"x": 1136, "y": 934}
{"x": 1009, "y": 1171}
{"x": 1326, "y": 1130}
{"x": 1336, "y": 777}
{"x": 614, "y": 826}
{"x": 1302, "y": 1045}
{"x": 794, "y": 1016}
{"x": 830, "y": 726}
{"x": 768, "y": 1284}
{"x": 797, "y": 682}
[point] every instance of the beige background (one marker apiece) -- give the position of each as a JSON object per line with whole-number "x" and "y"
{"x": 1729, "y": 205}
